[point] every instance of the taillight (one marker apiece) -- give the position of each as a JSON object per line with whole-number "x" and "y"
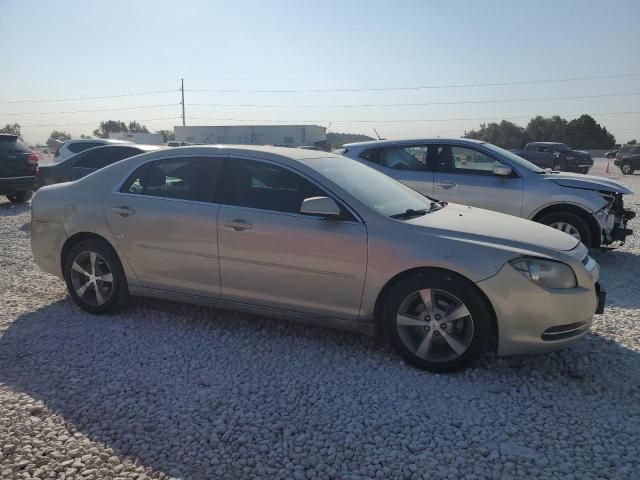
{"x": 33, "y": 158}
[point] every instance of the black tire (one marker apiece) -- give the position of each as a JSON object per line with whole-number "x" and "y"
{"x": 627, "y": 169}
{"x": 108, "y": 259}
{"x": 20, "y": 197}
{"x": 557, "y": 167}
{"x": 453, "y": 284}
{"x": 552, "y": 219}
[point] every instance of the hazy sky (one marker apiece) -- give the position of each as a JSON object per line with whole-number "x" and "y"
{"x": 68, "y": 49}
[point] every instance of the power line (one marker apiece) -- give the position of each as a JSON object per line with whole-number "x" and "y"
{"x": 424, "y": 87}
{"x": 97, "y": 110}
{"x": 94, "y": 123}
{"x": 88, "y": 98}
{"x": 329, "y": 90}
{"x": 414, "y": 120}
{"x": 421, "y": 104}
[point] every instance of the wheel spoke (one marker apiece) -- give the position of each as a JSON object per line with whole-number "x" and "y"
{"x": 406, "y": 321}
{"x": 425, "y": 345}
{"x": 75, "y": 266}
{"x": 81, "y": 291}
{"x": 453, "y": 342}
{"x": 427, "y": 299}
{"x": 93, "y": 256}
{"x": 107, "y": 277}
{"x": 460, "y": 311}
{"x": 99, "y": 296}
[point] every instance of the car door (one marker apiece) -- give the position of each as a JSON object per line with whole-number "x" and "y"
{"x": 465, "y": 175}
{"x": 408, "y": 164}
{"x": 164, "y": 220}
{"x": 272, "y": 255}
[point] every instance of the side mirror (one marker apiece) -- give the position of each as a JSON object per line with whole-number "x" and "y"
{"x": 502, "y": 170}
{"x": 322, "y": 206}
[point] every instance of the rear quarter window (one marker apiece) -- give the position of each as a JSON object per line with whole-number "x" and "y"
{"x": 78, "y": 147}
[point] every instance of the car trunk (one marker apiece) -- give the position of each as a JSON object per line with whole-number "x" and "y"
{"x": 16, "y": 159}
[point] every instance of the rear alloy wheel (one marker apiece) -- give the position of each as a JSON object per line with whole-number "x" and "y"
{"x": 437, "y": 321}
{"x": 20, "y": 197}
{"x": 626, "y": 168}
{"x": 569, "y": 223}
{"x": 94, "y": 277}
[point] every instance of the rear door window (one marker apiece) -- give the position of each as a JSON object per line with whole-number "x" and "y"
{"x": 414, "y": 157}
{"x": 176, "y": 178}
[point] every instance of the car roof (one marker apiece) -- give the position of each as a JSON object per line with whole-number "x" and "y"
{"x": 288, "y": 152}
{"x": 378, "y": 143}
{"x": 116, "y": 146}
{"x": 8, "y": 136}
{"x": 545, "y": 143}
{"x": 99, "y": 140}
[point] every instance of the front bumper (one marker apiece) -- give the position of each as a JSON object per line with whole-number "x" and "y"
{"x": 613, "y": 222}
{"x": 12, "y": 185}
{"x": 532, "y": 319}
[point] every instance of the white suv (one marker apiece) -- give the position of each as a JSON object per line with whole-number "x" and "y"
{"x": 71, "y": 147}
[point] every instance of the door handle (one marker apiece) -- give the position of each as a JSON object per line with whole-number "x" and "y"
{"x": 446, "y": 185}
{"x": 238, "y": 225}
{"x": 123, "y": 211}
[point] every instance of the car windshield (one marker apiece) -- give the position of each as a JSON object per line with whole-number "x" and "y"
{"x": 371, "y": 187}
{"x": 513, "y": 158}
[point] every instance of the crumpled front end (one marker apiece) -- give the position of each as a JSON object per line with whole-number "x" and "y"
{"x": 613, "y": 219}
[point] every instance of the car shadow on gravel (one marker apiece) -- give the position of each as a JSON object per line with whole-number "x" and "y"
{"x": 184, "y": 389}
{"x": 10, "y": 209}
{"x": 618, "y": 270}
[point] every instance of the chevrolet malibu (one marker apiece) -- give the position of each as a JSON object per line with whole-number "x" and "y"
{"x": 311, "y": 236}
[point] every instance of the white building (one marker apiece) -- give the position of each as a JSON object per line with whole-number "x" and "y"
{"x": 141, "y": 138}
{"x": 285, "y": 135}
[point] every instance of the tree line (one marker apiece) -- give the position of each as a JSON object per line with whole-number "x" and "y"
{"x": 103, "y": 130}
{"x": 582, "y": 132}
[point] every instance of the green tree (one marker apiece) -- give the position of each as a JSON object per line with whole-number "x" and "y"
{"x": 504, "y": 134}
{"x": 632, "y": 142}
{"x": 135, "y": 127}
{"x": 547, "y": 129}
{"x": 11, "y": 129}
{"x": 585, "y": 132}
{"x": 167, "y": 135}
{"x": 110, "y": 126}
{"x": 60, "y": 135}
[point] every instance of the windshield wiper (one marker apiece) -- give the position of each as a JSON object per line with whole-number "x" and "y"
{"x": 410, "y": 212}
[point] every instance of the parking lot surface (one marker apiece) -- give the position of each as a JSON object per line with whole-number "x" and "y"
{"x": 165, "y": 390}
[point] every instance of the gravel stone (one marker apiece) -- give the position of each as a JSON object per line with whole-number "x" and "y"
{"x": 170, "y": 391}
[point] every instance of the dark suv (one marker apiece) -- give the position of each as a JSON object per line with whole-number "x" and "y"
{"x": 628, "y": 159}
{"x": 18, "y": 168}
{"x": 556, "y": 156}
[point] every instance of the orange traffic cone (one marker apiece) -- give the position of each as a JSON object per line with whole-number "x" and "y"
{"x": 606, "y": 170}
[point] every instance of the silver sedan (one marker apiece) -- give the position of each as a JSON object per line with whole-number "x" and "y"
{"x": 315, "y": 237}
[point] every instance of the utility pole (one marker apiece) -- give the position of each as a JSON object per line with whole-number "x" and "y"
{"x": 184, "y": 123}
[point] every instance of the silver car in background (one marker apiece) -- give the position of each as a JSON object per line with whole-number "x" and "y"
{"x": 312, "y": 236}
{"x": 482, "y": 175}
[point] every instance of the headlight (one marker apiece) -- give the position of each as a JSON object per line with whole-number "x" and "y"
{"x": 546, "y": 273}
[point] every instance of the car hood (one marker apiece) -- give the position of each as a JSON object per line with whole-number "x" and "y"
{"x": 485, "y": 226}
{"x": 586, "y": 182}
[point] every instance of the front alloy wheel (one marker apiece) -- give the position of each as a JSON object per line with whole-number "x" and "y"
{"x": 566, "y": 228}
{"x": 437, "y": 320}
{"x": 435, "y": 325}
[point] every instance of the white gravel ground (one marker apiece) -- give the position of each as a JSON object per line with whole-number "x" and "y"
{"x": 174, "y": 391}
